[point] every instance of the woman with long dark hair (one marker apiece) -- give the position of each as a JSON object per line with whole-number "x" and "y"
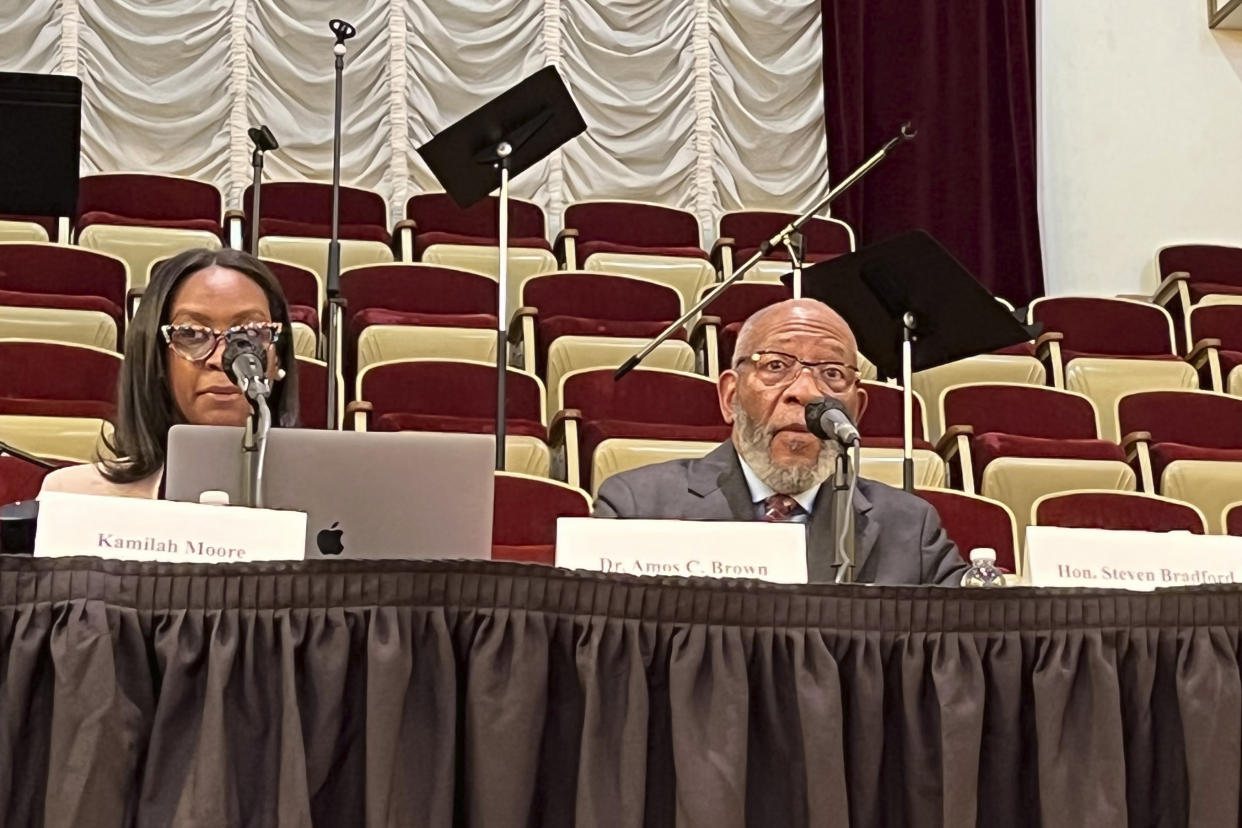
{"x": 173, "y": 373}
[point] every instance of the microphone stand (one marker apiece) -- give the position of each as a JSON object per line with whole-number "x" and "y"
{"x": 793, "y": 243}
{"x": 844, "y": 482}
{"x": 905, "y": 134}
{"x": 254, "y": 442}
{"x": 343, "y": 32}
{"x": 263, "y": 141}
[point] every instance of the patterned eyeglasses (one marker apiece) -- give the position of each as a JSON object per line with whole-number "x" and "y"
{"x": 198, "y": 342}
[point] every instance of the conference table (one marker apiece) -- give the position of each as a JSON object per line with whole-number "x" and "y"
{"x": 399, "y": 693}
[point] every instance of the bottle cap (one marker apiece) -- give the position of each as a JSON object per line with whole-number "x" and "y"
{"x": 982, "y": 555}
{"x": 214, "y": 497}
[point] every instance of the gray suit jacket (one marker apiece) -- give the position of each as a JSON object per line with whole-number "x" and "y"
{"x": 898, "y": 536}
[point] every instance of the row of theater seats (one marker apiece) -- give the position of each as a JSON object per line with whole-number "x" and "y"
{"x": 1011, "y": 441}
{"x": 143, "y": 218}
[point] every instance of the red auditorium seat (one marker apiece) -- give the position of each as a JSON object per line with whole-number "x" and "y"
{"x": 743, "y": 231}
{"x": 60, "y": 276}
{"x": 1117, "y": 510}
{"x": 434, "y": 218}
{"x": 19, "y": 480}
{"x": 591, "y": 304}
{"x": 1186, "y": 445}
{"x": 296, "y": 225}
{"x": 143, "y": 218}
{"x": 446, "y": 395}
{"x": 635, "y": 239}
{"x": 1017, "y": 442}
{"x": 647, "y": 405}
{"x": 524, "y": 514}
{"x": 882, "y": 443}
{"x": 418, "y": 296}
{"x": 1108, "y": 347}
{"x": 1231, "y": 518}
{"x": 52, "y": 379}
{"x": 1190, "y": 272}
{"x": 715, "y": 334}
{"x": 313, "y": 394}
{"x": 1216, "y": 331}
{"x": 975, "y": 522}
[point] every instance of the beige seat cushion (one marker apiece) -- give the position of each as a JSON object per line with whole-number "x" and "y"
{"x": 573, "y": 353}
{"x": 1233, "y": 383}
{"x": 684, "y": 274}
{"x": 930, "y": 384}
{"x": 885, "y": 465}
{"x": 1209, "y": 484}
{"x": 70, "y": 438}
{"x": 1019, "y": 481}
{"x": 22, "y": 231}
{"x": 621, "y": 454}
{"x": 381, "y": 343}
{"x": 312, "y": 254}
{"x": 141, "y": 247}
{"x": 77, "y": 327}
{"x": 527, "y": 455}
{"x": 524, "y": 262}
{"x": 1104, "y": 381}
{"x": 305, "y": 342}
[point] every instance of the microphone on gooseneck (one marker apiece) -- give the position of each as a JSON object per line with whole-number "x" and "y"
{"x": 245, "y": 364}
{"x": 827, "y": 419}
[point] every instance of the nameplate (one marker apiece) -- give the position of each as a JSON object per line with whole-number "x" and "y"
{"x": 1116, "y": 559}
{"x": 695, "y": 548}
{"x": 134, "y": 529}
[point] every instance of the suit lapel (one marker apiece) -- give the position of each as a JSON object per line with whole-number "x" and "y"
{"x": 718, "y": 479}
{"x": 821, "y": 540}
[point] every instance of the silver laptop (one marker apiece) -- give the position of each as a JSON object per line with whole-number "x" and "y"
{"x": 412, "y": 495}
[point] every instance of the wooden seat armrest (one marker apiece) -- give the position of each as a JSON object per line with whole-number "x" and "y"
{"x": 514, "y": 334}
{"x": 1198, "y": 355}
{"x": 353, "y": 409}
{"x": 234, "y": 215}
{"x": 132, "y": 297}
{"x": 946, "y": 447}
{"x": 699, "y": 330}
{"x": 405, "y": 224}
{"x": 558, "y": 245}
{"x": 557, "y": 426}
{"x": 1131, "y": 441}
{"x": 720, "y": 245}
{"x": 1168, "y": 289}
{"x": 1048, "y": 337}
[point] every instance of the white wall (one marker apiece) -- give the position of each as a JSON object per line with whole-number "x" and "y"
{"x": 1140, "y": 138}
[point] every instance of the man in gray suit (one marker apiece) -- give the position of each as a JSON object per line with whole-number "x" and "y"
{"x": 773, "y": 469}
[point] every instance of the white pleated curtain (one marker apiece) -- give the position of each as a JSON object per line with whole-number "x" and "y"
{"x": 701, "y": 104}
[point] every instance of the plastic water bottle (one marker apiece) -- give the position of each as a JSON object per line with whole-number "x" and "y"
{"x": 983, "y": 571}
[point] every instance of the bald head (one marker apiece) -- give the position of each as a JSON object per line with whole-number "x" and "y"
{"x": 761, "y": 324}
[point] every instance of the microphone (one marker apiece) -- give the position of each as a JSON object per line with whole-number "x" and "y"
{"x": 264, "y": 140}
{"x": 827, "y": 419}
{"x": 343, "y": 31}
{"x": 245, "y": 364}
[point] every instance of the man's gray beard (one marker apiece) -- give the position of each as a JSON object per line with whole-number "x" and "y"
{"x": 754, "y": 443}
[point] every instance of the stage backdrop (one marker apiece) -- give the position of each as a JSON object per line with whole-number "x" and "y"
{"x": 705, "y": 105}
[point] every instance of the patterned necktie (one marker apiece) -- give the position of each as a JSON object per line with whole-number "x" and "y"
{"x": 780, "y": 508}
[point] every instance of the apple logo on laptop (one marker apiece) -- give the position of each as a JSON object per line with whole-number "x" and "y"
{"x": 329, "y": 540}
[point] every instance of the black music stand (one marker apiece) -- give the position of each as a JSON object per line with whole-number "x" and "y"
{"x": 484, "y": 150}
{"x": 40, "y": 145}
{"x": 912, "y": 306}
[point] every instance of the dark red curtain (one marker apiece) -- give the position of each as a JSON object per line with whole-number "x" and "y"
{"x": 963, "y": 73}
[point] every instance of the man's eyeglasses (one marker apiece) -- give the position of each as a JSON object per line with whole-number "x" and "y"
{"x": 198, "y": 342}
{"x": 776, "y": 369}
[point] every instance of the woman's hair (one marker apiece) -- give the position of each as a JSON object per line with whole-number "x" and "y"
{"x": 145, "y": 406}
